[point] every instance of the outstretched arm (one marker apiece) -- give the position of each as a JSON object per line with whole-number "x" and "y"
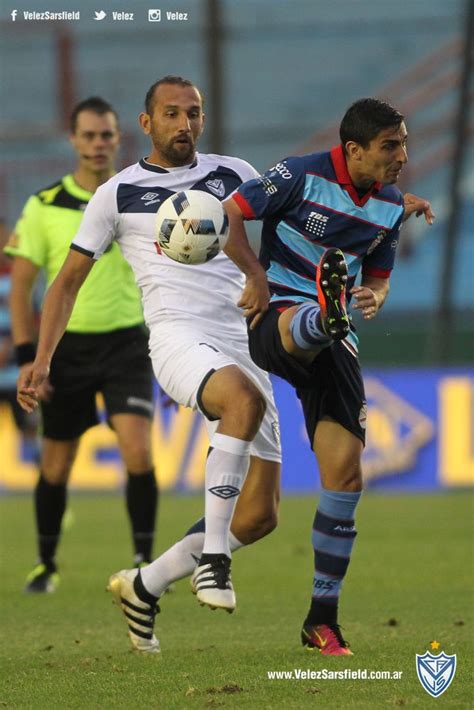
{"x": 57, "y": 310}
{"x": 256, "y": 295}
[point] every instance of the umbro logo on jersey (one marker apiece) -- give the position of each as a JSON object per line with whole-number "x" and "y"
{"x": 216, "y": 186}
{"x": 150, "y": 198}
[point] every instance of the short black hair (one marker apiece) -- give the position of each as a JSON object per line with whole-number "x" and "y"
{"x": 93, "y": 103}
{"x": 169, "y": 79}
{"x": 364, "y": 120}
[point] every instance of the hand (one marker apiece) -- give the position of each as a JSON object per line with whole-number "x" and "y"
{"x": 366, "y": 301}
{"x": 32, "y": 385}
{"x": 255, "y": 297}
{"x": 419, "y": 206}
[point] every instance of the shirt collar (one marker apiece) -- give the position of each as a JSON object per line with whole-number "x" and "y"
{"x": 344, "y": 179}
{"x": 158, "y": 169}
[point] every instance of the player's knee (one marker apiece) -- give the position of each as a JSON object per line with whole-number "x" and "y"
{"x": 257, "y": 527}
{"x": 56, "y": 467}
{"x": 255, "y": 524}
{"x": 345, "y": 478}
{"x": 251, "y": 407}
{"x": 56, "y": 475}
{"x": 137, "y": 456}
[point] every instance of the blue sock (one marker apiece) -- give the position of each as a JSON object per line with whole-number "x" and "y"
{"x": 306, "y": 329}
{"x": 333, "y": 539}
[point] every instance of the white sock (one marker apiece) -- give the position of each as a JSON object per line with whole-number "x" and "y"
{"x": 226, "y": 468}
{"x": 177, "y": 562}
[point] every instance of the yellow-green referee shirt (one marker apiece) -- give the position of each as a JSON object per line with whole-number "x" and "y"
{"x": 109, "y": 298}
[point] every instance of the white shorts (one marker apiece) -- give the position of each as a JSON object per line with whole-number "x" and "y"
{"x": 184, "y": 359}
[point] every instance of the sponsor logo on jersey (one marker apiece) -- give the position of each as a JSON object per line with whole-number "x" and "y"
{"x": 150, "y": 198}
{"x": 363, "y": 416}
{"x": 316, "y": 223}
{"x": 216, "y": 186}
{"x": 282, "y": 170}
{"x": 269, "y": 188}
{"x": 381, "y": 234}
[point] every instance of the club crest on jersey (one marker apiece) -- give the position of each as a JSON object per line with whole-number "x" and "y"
{"x": 435, "y": 673}
{"x": 381, "y": 234}
{"x": 216, "y": 186}
{"x": 150, "y": 198}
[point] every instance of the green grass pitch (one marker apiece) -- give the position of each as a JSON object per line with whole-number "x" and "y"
{"x": 410, "y": 582}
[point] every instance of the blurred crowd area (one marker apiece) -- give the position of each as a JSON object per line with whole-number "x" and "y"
{"x": 277, "y": 76}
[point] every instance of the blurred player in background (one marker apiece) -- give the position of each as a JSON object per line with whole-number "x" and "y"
{"x": 326, "y": 218}
{"x": 104, "y": 349}
{"x": 199, "y": 348}
{"x": 27, "y": 424}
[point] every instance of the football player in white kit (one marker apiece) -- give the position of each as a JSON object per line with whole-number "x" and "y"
{"x": 198, "y": 346}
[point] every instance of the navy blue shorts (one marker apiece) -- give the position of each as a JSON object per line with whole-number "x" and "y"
{"x": 331, "y": 386}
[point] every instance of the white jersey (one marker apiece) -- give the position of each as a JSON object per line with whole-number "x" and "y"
{"x": 124, "y": 209}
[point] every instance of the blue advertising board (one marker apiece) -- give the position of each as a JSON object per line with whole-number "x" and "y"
{"x": 419, "y": 437}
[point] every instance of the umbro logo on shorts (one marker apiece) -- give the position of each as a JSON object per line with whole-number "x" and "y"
{"x": 224, "y": 491}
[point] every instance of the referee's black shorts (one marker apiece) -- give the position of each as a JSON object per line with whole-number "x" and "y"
{"x": 115, "y": 363}
{"x": 331, "y": 386}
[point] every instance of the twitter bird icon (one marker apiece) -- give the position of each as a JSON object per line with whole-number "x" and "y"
{"x": 100, "y": 15}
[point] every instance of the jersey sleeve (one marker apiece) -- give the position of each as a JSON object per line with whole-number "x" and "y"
{"x": 99, "y": 224}
{"x": 380, "y": 261}
{"x": 277, "y": 190}
{"x": 28, "y": 239}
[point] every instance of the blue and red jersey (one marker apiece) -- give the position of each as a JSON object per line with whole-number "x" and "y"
{"x": 308, "y": 204}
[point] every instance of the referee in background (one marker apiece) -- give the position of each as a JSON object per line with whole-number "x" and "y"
{"x": 104, "y": 349}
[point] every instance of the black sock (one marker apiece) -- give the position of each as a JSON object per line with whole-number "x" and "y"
{"x": 142, "y": 500}
{"x": 142, "y": 593}
{"x": 321, "y": 614}
{"x": 50, "y": 504}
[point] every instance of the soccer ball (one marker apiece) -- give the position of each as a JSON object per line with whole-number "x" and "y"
{"x": 192, "y": 227}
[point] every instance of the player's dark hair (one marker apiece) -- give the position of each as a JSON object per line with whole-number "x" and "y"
{"x": 169, "y": 79}
{"x": 365, "y": 119}
{"x": 94, "y": 104}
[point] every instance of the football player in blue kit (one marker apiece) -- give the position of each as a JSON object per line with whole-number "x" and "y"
{"x": 327, "y": 218}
